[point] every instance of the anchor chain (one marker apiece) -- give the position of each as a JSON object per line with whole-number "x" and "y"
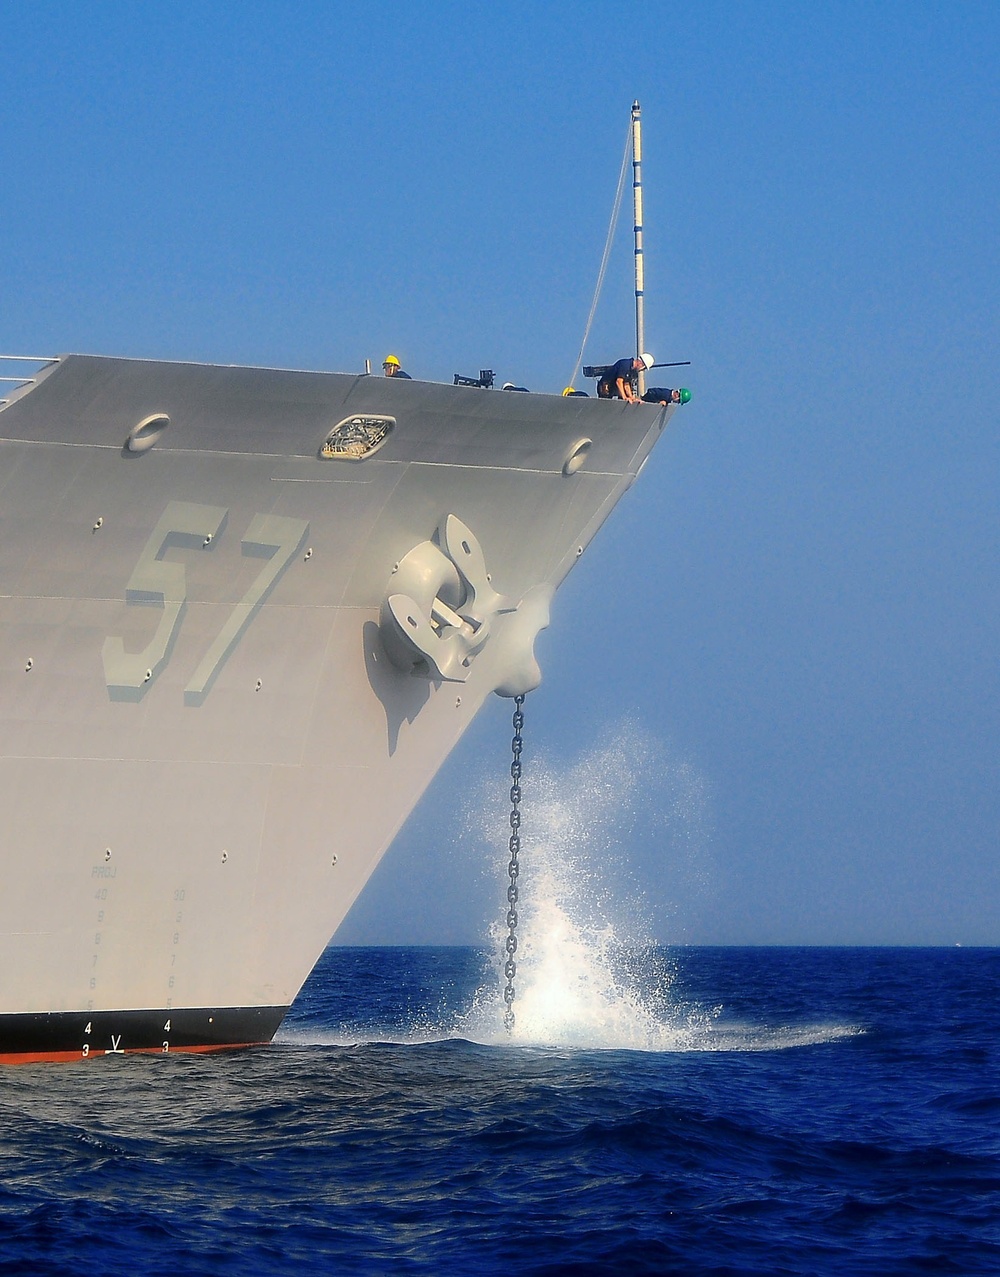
{"x": 510, "y": 945}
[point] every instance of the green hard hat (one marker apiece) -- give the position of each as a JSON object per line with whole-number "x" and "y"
{"x": 685, "y": 396}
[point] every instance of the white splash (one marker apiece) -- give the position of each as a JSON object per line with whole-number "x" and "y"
{"x": 589, "y": 976}
{"x": 587, "y": 972}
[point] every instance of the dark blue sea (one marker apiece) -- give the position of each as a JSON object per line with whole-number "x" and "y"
{"x": 697, "y": 1111}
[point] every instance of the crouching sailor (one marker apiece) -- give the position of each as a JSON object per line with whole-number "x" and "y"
{"x": 619, "y": 381}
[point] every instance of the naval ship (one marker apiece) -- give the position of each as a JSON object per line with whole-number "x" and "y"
{"x": 245, "y": 614}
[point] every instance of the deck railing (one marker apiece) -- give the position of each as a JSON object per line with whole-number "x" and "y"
{"x": 32, "y": 366}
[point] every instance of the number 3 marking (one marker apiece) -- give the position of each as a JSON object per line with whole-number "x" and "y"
{"x": 159, "y": 583}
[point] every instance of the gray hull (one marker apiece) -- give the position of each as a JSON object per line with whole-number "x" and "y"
{"x": 230, "y": 665}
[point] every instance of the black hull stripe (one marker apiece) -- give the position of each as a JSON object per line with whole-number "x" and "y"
{"x": 86, "y": 1033}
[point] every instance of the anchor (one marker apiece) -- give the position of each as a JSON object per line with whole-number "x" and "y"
{"x": 440, "y": 611}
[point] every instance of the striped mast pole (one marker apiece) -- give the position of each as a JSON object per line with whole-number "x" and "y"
{"x": 640, "y": 319}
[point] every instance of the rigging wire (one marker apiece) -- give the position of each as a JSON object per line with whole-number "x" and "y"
{"x": 607, "y": 253}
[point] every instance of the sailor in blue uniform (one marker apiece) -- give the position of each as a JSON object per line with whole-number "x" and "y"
{"x": 664, "y": 395}
{"x": 618, "y": 382}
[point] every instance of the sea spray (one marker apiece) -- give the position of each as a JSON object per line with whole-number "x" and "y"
{"x": 589, "y": 974}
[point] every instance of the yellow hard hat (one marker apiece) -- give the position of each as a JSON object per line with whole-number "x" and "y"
{"x": 567, "y": 391}
{"x": 390, "y": 359}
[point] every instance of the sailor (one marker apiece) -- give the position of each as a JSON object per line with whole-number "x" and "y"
{"x": 570, "y": 393}
{"x": 509, "y": 385}
{"x": 619, "y": 380}
{"x": 391, "y": 368}
{"x": 664, "y": 395}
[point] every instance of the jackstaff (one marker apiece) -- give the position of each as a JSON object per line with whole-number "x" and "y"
{"x": 640, "y": 321}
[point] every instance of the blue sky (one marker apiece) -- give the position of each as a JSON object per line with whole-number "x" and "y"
{"x": 796, "y": 609}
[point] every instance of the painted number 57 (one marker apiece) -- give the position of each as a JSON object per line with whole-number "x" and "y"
{"x": 157, "y": 582}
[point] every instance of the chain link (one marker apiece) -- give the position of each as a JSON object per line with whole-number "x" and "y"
{"x": 510, "y": 945}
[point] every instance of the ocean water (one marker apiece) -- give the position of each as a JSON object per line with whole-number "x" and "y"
{"x": 654, "y": 1110}
{"x": 693, "y": 1111}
